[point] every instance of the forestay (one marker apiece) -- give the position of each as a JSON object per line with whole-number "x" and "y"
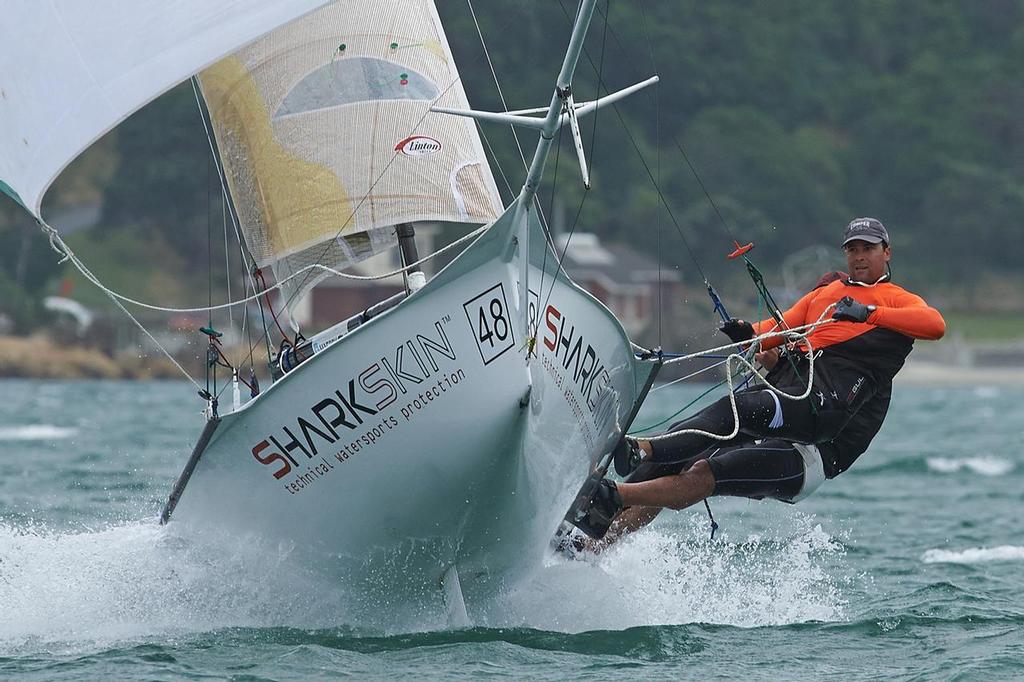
{"x": 73, "y": 70}
{"x": 327, "y": 141}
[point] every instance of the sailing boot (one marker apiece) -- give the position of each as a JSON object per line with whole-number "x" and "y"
{"x": 572, "y": 545}
{"x": 627, "y": 456}
{"x": 604, "y": 504}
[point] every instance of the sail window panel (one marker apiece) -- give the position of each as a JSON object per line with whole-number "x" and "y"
{"x": 328, "y": 142}
{"x": 338, "y": 253}
{"x": 350, "y": 81}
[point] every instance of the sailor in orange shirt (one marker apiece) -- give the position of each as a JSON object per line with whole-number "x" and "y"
{"x": 785, "y": 448}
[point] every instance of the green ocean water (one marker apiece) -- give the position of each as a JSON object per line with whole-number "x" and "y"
{"x": 909, "y": 566}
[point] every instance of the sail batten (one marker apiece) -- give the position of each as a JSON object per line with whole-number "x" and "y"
{"x": 327, "y": 138}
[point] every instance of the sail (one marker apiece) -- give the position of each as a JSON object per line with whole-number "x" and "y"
{"x": 327, "y": 141}
{"x": 73, "y": 70}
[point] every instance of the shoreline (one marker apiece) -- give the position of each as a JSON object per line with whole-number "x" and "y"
{"x": 924, "y": 373}
{"x": 40, "y": 357}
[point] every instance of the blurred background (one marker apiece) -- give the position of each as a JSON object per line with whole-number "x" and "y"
{"x": 792, "y": 117}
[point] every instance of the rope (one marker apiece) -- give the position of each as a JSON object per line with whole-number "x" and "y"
{"x": 801, "y": 334}
{"x": 684, "y": 407}
{"x": 58, "y": 245}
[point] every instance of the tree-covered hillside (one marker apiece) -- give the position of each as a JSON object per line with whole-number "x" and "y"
{"x": 796, "y": 115}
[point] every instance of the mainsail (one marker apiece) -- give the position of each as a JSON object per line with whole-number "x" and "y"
{"x": 73, "y": 70}
{"x": 327, "y": 141}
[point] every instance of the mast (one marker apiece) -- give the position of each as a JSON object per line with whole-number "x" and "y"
{"x": 563, "y": 91}
{"x": 562, "y": 110}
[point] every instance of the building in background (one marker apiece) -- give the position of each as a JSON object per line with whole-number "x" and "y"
{"x": 620, "y": 277}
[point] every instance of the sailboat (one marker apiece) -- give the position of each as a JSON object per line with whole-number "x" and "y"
{"x": 432, "y": 439}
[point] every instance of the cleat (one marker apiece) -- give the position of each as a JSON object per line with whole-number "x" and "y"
{"x": 627, "y": 456}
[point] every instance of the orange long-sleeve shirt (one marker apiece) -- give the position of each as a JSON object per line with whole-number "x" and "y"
{"x": 897, "y": 310}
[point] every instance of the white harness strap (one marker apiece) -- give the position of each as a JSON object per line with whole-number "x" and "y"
{"x": 777, "y": 421}
{"x": 814, "y": 470}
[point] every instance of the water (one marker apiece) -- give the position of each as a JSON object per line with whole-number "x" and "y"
{"x": 909, "y": 566}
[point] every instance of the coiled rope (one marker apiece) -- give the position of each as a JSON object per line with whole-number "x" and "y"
{"x": 799, "y": 334}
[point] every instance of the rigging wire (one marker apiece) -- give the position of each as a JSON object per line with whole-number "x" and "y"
{"x": 657, "y": 146}
{"x": 209, "y": 278}
{"x": 647, "y": 168}
{"x": 67, "y": 255}
{"x": 494, "y": 158}
{"x": 494, "y": 75}
{"x": 243, "y": 249}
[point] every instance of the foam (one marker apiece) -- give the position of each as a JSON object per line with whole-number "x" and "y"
{"x": 78, "y": 591}
{"x": 675, "y": 576}
{"x": 986, "y": 466}
{"x": 42, "y": 432}
{"x": 142, "y": 579}
{"x": 975, "y": 555}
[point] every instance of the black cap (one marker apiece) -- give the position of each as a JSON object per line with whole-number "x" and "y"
{"x": 865, "y": 229}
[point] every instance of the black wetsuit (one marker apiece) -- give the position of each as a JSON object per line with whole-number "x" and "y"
{"x": 773, "y": 467}
{"x": 849, "y": 399}
{"x": 743, "y": 468}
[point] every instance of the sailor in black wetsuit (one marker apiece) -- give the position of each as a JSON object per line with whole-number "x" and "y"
{"x": 785, "y": 448}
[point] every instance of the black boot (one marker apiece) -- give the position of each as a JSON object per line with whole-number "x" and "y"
{"x": 627, "y": 456}
{"x": 596, "y": 517}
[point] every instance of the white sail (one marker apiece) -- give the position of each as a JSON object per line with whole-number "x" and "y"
{"x": 73, "y": 70}
{"x": 327, "y": 139}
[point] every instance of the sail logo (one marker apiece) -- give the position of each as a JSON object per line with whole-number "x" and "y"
{"x": 418, "y": 145}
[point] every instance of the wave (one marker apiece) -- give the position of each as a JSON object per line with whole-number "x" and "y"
{"x": 36, "y": 432}
{"x": 986, "y": 466}
{"x": 975, "y": 555}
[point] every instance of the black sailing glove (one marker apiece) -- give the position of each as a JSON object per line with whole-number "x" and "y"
{"x": 851, "y": 310}
{"x": 738, "y": 331}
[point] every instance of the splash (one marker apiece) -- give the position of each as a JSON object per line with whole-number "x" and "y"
{"x": 141, "y": 580}
{"x": 975, "y": 555}
{"x": 41, "y": 432}
{"x": 75, "y": 591}
{"x": 986, "y": 466}
{"x": 664, "y": 576}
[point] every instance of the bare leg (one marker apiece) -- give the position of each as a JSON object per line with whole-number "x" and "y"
{"x": 645, "y": 500}
{"x": 674, "y": 492}
{"x": 628, "y": 520}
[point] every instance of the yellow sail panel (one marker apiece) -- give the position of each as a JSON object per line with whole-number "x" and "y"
{"x": 327, "y": 139}
{"x": 298, "y": 199}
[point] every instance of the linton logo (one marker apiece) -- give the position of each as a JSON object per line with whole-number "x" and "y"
{"x": 418, "y": 145}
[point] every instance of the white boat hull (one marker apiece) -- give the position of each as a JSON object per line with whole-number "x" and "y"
{"x": 424, "y": 439}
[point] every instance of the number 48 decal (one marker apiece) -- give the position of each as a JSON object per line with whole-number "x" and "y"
{"x": 491, "y": 322}
{"x": 496, "y": 327}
